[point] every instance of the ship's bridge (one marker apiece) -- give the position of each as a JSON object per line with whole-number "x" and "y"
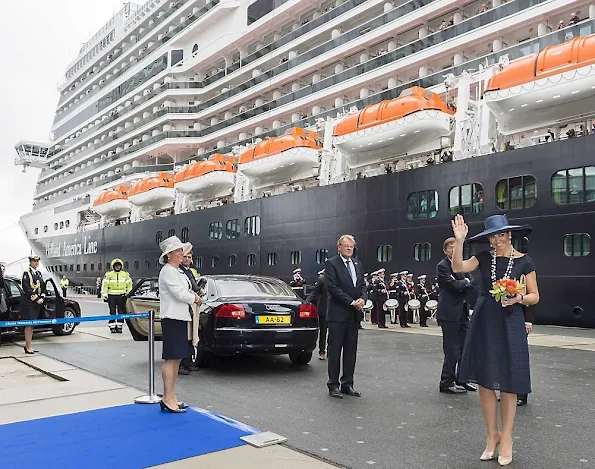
{"x": 32, "y": 154}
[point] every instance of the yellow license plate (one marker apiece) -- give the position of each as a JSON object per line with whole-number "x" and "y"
{"x": 273, "y": 320}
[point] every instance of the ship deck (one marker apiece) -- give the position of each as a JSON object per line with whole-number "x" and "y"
{"x": 400, "y": 422}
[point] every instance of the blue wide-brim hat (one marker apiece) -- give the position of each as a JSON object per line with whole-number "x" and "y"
{"x": 499, "y": 224}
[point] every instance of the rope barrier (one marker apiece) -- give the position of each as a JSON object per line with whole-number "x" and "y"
{"x": 51, "y": 322}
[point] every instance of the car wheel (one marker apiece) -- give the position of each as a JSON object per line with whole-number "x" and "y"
{"x": 203, "y": 358}
{"x": 300, "y": 358}
{"x": 65, "y": 329}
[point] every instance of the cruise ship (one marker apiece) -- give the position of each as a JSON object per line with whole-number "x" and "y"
{"x": 262, "y": 130}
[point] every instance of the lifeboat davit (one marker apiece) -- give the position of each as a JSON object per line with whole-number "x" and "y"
{"x": 290, "y": 157}
{"x": 156, "y": 192}
{"x": 208, "y": 179}
{"x": 414, "y": 122}
{"x": 113, "y": 203}
{"x": 549, "y": 87}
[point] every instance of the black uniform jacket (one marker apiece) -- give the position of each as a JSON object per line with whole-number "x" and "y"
{"x": 341, "y": 292}
{"x": 319, "y": 296}
{"x": 454, "y": 291}
{"x": 34, "y": 289}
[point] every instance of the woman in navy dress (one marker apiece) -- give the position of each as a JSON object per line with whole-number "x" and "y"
{"x": 496, "y": 353}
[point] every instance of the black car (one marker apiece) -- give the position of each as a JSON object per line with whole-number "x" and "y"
{"x": 56, "y": 306}
{"x": 240, "y": 314}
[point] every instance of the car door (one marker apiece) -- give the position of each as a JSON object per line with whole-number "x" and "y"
{"x": 53, "y": 302}
{"x": 144, "y": 297}
{"x": 13, "y": 299}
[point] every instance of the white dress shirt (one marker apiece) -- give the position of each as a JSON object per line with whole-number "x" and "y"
{"x": 175, "y": 294}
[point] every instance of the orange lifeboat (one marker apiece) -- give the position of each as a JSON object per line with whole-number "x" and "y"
{"x": 113, "y": 203}
{"x": 209, "y": 179}
{"x": 408, "y": 124}
{"x": 156, "y": 192}
{"x": 549, "y": 86}
{"x": 289, "y": 157}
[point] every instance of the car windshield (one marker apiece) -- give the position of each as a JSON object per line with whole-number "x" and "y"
{"x": 235, "y": 287}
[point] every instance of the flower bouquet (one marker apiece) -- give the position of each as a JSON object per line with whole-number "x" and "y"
{"x": 506, "y": 287}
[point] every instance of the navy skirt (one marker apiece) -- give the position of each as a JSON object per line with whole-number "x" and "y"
{"x": 174, "y": 339}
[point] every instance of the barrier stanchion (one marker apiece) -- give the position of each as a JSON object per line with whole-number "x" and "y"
{"x": 151, "y": 398}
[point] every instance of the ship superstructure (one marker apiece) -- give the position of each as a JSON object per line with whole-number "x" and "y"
{"x": 175, "y": 107}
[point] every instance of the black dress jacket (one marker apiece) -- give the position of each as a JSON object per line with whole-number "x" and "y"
{"x": 342, "y": 292}
{"x": 319, "y": 296}
{"x": 454, "y": 292}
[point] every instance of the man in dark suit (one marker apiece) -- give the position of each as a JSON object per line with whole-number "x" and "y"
{"x": 346, "y": 298}
{"x": 319, "y": 298}
{"x": 453, "y": 314}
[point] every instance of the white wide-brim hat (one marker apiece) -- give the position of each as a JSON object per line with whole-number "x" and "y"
{"x": 170, "y": 245}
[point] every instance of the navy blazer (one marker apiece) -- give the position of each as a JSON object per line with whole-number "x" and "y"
{"x": 341, "y": 292}
{"x": 454, "y": 292}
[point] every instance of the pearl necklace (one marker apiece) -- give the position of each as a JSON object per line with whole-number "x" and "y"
{"x": 508, "y": 267}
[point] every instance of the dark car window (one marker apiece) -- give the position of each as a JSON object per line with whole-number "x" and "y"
{"x": 233, "y": 287}
{"x": 148, "y": 289}
{"x": 13, "y": 289}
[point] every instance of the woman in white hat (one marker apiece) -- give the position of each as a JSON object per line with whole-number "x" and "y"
{"x": 176, "y": 298}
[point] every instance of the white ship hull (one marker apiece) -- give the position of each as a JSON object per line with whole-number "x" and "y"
{"x": 210, "y": 185}
{"x": 157, "y": 198}
{"x": 409, "y": 135}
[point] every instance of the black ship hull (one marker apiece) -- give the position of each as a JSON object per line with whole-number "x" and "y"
{"x": 375, "y": 211}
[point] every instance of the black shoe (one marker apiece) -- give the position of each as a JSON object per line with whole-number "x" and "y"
{"x": 335, "y": 393}
{"x": 405, "y": 325}
{"x": 423, "y": 325}
{"x": 468, "y": 386}
{"x": 30, "y": 353}
{"x": 163, "y": 406}
{"x": 453, "y": 390}
{"x": 183, "y": 371}
{"x": 521, "y": 402}
{"x": 182, "y": 405}
{"x": 350, "y": 391}
{"x": 113, "y": 330}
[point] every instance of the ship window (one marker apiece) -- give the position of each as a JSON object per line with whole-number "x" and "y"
{"x": 67, "y": 223}
{"x": 61, "y": 225}
{"x": 36, "y": 230}
{"x": 85, "y": 267}
{"x": 157, "y": 264}
{"x": 577, "y": 245}
{"x": 107, "y": 266}
{"x": 296, "y": 257}
{"x": 185, "y": 234}
{"x": 422, "y": 252}
{"x": 147, "y": 264}
{"x": 251, "y": 260}
{"x": 56, "y": 226}
{"x": 125, "y": 266}
{"x": 135, "y": 265}
{"x": 214, "y": 261}
{"x": 469, "y": 250}
{"x": 423, "y": 204}
{"x": 521, "y": 244}
{"x": 252, "y": 226}
{"x": 215, "y": 230}
{"x": 72, "y": 267}
{"x": 466, "y": 199}
{"x": 232, "y": 229}
{"x": 516, "y": 193}
{"x": 171, "y": 233}
{"x": 60, "y": 268}
{"x": 198, "y": 262}
{"x": 321, "y": 256}
{"x": 195, "y": 48}
{"x": 158, "y": 237}
{"x": 272, "y": 258}
{"x": 574, "y": 186}
{"x": 92, "y": 267}
{"x": 45, "y": 228}
{"x": 231, "y": 260}
{"x": 78, "y": 267}
{"x": 384, "y": 253}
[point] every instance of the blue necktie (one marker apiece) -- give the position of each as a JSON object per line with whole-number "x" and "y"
{"x": 351, "y": 272}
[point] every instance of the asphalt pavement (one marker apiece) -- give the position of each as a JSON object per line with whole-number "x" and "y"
{"x": 401, "y": 422}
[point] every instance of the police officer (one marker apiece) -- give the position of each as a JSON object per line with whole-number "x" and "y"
{"x": 186, "y": 365}
{"x": 423, "y": 295}
{"x": 371, "y": 296}
{"x": 116, "y": 284}
{"x": 298, "y": 283}
{"x": 32, "y": 300}
{"x": 403, "y": 297}
{"x": 380, "y": 295}
{"x": 64, "y": 284}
